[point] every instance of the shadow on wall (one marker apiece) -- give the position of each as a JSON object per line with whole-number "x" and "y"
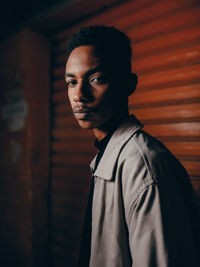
{"x": 24, "y": 123}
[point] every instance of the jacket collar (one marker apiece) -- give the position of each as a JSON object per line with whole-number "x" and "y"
{"x": 119, "y": 138}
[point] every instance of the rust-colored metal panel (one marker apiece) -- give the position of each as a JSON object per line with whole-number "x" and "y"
{"x": 181, "y": 130}
{"x": 165, "y": 38}
{"x": 153, "y": 12}
{"x": 169, "y": 23}
{"x": 175, "y": 76}
{"x": 128, "y": 7}
{"x": 189, "y": 93}
{"x": 174, "y": 113}
{"x": 184, "y": 149}
{"x": 177, "y": 58}
{"x": 192, "y": 167}
{"x": 168, "y": 42}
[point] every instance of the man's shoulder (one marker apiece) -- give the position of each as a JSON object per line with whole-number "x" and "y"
{"x": 145, "y": 144}
{"x": 130, "y": 137}
{"x": 145, "y": 149}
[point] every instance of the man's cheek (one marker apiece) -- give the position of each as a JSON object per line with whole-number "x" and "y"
{"x": 69, "y": 98}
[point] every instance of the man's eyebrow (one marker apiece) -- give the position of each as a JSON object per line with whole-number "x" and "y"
{"x": 91, "y": 71}
{"x": 69, "y": 75}
{"x": 88, "y": 73}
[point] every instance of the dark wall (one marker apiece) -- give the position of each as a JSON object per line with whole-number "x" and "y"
{"x": 15, "y": 15}
{"x": 24, "y": 124}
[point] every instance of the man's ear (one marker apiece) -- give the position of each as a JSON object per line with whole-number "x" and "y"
{"x": 133, "y": 80}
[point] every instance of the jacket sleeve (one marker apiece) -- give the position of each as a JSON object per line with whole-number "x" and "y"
{"x": 159, "y": 231}
{"x": 145, "y": 227}
{"x": 157, "y": 208}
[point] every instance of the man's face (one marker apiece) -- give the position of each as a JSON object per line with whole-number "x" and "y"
{"x": 92, "y": 90}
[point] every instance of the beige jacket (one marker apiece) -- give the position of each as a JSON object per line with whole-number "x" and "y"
{"x": 142, "y": 204}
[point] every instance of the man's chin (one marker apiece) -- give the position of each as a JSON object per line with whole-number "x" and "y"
{"x": 86, "y": 124}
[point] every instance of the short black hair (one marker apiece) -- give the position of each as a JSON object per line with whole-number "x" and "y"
{"x": 110, "y": 43}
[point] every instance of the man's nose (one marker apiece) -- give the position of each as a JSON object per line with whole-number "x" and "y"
{"x": 81, "y": 93}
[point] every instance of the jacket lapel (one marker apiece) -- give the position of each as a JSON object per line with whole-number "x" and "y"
{"x": 107, "y": 164}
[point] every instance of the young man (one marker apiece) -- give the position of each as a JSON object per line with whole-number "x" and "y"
{"x": 142, "y": 209}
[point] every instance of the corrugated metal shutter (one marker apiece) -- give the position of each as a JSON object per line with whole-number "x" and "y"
{"x": 166, "y": 52}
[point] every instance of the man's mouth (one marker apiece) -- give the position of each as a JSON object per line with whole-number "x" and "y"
{"x": 82, "y": 113}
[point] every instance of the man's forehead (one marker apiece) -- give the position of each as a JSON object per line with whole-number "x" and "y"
{"x": 82, "y": 53}
{"x": 80, "y": 57}
{"x": 84, "y": 58}
{"x": 82, "y": 50}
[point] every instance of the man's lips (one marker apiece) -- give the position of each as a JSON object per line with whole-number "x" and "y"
{"x": 82, "y": 113}
{"x": 81, "y": 110}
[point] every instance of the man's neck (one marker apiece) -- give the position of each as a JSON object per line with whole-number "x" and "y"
{"x": 109, "y": 126}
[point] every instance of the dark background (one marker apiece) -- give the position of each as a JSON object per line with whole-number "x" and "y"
{"x": 14, "y": 15}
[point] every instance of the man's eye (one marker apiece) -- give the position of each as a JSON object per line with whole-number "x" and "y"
{"x": 97, "y": 80}
{"x": 71, "y": 83}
